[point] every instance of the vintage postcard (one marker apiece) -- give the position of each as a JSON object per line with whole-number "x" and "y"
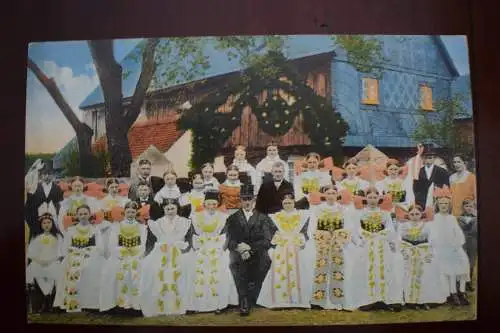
{"x": 250, "y": 180}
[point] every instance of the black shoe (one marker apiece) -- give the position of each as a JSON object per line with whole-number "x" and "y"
{"x": 411, "y": 306}
{"x": 394, "y": 307}
{"x": 425, "y": 307}
{"x": 454, "y": 300}
{"x": 463, "y": 299}
{"x": 244, "y": 309}
{"x": 469, "y": 287}
{"x": 218, "y": 312}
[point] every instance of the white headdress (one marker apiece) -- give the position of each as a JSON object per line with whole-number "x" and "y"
{"x": 47, "y": 208}
{"x": 31, "y": 178}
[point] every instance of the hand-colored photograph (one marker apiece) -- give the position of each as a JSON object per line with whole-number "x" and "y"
{"x": 250, "y": 181}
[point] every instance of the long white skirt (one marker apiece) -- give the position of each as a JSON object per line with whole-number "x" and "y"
{"x": 164, "y": 280}
{"x": 211, "y": 285}
{"x": 423, "y": 282}
{"x": 288, "y": 283}
{"x": 78, "y": 286}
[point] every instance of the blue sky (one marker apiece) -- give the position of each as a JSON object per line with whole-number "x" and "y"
{"x": 70, "y": 64}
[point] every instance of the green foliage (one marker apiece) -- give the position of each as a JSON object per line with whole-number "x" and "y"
{"x": 29, "y": 159}
{"x": 100, "y": 164}
{"x": 276, "y": 115}
{"x": 363, "y": 52}
{"x": 440, "y": 127}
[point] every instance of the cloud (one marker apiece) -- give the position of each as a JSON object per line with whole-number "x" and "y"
{"x": 47, "y": 130}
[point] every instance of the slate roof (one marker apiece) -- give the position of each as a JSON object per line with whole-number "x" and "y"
{"x": 295, "y": 47}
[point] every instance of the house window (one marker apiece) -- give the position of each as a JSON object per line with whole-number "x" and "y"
{"x": 369, "y": 91}
{"x": 426, "y": 98}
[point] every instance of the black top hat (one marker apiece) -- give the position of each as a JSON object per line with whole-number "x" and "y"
{"x": 47, "y": 167}
{"x": 429, "y": 150}
{"x": 247, "y": 191}
{"x": 212, "y": 195}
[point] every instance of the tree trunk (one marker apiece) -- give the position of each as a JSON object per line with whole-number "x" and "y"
{"x": 119, "y": 118}
{"x": 110, "y": 78}
{"x": 83, "y": 131}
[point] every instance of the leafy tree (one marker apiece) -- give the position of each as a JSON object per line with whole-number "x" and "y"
{"x": 363, "y": 52}
{"x": 441, "y": 128}
{"x": 100, "y": 168}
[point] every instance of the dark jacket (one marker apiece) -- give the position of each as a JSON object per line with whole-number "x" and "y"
{"x": 439, "y": 177}
{"x": 269, "y": 197}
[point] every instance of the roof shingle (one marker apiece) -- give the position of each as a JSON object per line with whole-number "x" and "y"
{"x": 160, "y": 133}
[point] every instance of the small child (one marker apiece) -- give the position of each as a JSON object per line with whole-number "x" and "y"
{"x": 468, "y": 222}
{"x": 230, "y": 190}
{"x": 45, "y": 253}
{"x": 447, "y": 239}
{"x": 194, "y": 198}
{"x": 121, "y": 276}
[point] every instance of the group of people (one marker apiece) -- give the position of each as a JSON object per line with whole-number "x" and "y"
{"x": 348, "y": 238}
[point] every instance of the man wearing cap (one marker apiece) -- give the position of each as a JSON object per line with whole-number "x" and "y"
{"x": 249, "y": 235}
{"x": 47, "y": 191}
{"x": 144, "y": 176}
{"x": 429, "y": 175}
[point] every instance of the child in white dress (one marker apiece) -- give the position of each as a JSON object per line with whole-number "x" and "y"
{"x": 45, "y": 253}
{"x": 209, "y": 181}
{"x": 448, "y": 239}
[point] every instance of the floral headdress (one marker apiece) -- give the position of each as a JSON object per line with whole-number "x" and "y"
{"x": 442, "y": 192}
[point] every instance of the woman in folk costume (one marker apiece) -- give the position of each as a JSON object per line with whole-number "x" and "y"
{"x": 45, "y": 253}
{"x": 351, "y": 185}
{"x": 121, "y": 275}
{"x": 194, "y": 198}
{"x": 77, "y": 198}
{"x": 330, "y": 229}
{"x": 423, "y": 282}
{"x": 468, "y": 223}
{"x": 265, "y": 165}
{"x": 395, "y": 185}
{"x": 110, "y": 209}
{"x": 244, "y": 167}
{"x": 78, "y": 286}
{"x": 163, "y": 285}
{"x": 308, "y": 183}
{"x": 230, "y": 190}
{"x": 462, "y": 183}
{"x": 209, "y": 181}
{"x": 447, "y": 239}
{"x": 288, "y": 282}
{"x": 170, "y": 190}
{"x": 378, "y": 271}
{"x": 113, "y": 203}
{"x": 211, "y": 287}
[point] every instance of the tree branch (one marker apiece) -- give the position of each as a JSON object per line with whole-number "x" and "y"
{"x": 108, "y": 69}
{"x": 58, "y": 98}
{"x": 147, "y": 71}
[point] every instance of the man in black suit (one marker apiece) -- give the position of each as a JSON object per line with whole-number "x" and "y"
{"x": 144, "y": 176}
{"x": 429, "y": 174}
{"x": 271, "y": 192}
{"x": 144, "y": 197}
{"x": 47, "y": 191}
{"x": 249, "y": 235}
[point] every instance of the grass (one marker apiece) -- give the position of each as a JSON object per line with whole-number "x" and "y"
{"x": 266, "y": 317}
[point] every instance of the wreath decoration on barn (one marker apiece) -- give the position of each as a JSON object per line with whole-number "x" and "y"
{"x": 276, "y": 114}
